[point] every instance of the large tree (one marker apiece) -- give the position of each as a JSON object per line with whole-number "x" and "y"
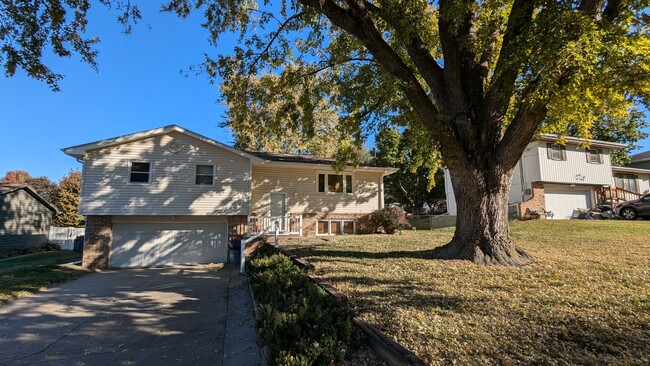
{"x": 480, "y": 77}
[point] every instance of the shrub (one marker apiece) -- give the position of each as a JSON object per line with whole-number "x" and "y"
{"x": 299, "y": 322}
{"x": 388, "y": 218}
{"x": 50, "y": 247}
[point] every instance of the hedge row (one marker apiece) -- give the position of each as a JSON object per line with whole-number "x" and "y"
{"x": 299, "y": 322}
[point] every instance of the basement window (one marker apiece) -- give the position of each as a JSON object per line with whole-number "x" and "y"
{"x": 335, "y": 227}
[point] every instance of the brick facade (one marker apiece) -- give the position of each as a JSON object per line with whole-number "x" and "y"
{"x": 310, "y": 221}
{"x": 97, "y": 241}
{"x": 236, "y": 226}
{"x": 537, "y": 201}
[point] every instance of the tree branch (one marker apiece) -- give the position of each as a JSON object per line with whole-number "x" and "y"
{"x": 357, "y": 22}
{"x": 276, "y": 35}
{"x": 508, "y": 67}
{"x": 332, "y": 63}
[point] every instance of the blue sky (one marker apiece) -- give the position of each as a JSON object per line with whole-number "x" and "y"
{"x": 139, "y": 86}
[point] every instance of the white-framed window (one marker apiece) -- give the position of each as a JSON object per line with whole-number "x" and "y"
{"x": 335, "y": 183}
{"x": 335, "y": 227}
{"x": 38, "y": 219}
{"x": 140, "y": 172}
{"x": 594, "y": 156}
{"x": 204, "y": 174}
{"x": 556, "y": 152}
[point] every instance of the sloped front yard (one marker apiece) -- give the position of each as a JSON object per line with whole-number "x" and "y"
{"x": 585, "y": 300}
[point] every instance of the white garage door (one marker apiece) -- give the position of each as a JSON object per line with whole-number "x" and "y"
{"x": 157, "y": 244}
{"x": 562, "y": 203}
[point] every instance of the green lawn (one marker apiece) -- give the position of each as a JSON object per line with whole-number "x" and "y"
{"x": 584, "y": 300}
{"x": 25, "y": 275}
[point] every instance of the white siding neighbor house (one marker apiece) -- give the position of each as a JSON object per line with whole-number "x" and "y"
{"x": 560, "y": 178}
{"x": 171, "y": 196}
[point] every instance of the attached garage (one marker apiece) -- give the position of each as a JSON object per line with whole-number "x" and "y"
{"x": 563, "y": 202}
{"x": 144, "y": 244}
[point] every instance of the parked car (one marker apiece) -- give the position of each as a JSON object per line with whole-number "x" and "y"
{"x": 631, "y": 210}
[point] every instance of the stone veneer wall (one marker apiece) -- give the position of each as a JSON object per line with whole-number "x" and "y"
{"x": 310, "y": 220}
{"x": 537, "y": 201}
{"x": 97, "y": 241}
{"x": 236, "y": 226}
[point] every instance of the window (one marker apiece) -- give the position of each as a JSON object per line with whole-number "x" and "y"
{"x": 335, "y": 183}
{"x": 140, "y": 172}
{"x": 556, "y": 152}
{"x": 204, "y": 175}
{"x": 594, "y": 156}
{"x": 335, "y": 227}
{"x": 626, "y": 181}
{"x": 38, "y": 218}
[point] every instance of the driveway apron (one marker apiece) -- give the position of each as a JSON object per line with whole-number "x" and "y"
{"x": 176, "y": 315}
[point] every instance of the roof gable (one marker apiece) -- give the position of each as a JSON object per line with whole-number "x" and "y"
{"x": 78, "y": 151}
{"x": 6, "y": 188}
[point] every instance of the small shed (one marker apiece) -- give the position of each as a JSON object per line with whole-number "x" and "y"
{"x": 25, "y": 217}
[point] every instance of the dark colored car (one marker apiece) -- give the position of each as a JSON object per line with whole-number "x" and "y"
{"x": 631, "y": 210}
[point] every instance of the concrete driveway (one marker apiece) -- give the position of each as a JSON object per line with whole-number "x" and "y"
{"x": 176, "y": 315}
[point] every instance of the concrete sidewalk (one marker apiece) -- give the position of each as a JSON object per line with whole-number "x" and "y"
{"x": 192, "y": 315}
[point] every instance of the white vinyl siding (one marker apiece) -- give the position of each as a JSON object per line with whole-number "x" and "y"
{"x": 575, "y": 169}
{"x": 301, "y": 187}
{"x": 106, "y": 189}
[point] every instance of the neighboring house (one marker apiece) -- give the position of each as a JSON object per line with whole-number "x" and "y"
{"x": 562, "y": 178}
{"x": 171, "y": 196}
{"x": 640, "y": 161}
{"x": 25, "y": 217}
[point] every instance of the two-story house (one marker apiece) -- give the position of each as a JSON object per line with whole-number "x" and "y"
{"x": 171, "y": 196}
{"x": 558, "y": 177}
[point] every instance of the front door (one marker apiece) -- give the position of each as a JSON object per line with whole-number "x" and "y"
{"x": 278, "y": 210}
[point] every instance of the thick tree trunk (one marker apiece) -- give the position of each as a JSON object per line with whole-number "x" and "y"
{"x": 482, "y": 234}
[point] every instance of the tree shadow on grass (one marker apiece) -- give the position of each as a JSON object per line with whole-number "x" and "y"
{"x": 418, "y": 254}
{"x": 404, "y": 294}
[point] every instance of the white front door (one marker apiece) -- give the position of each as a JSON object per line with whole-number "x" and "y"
{"x": 278, "y": 209}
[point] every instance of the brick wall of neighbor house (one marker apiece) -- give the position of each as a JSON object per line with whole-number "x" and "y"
{"x": 310, "y": 220}
{"x": 97, "y": 244}
{"x": 537, "y": 201}
{"x": 236, "y": 226}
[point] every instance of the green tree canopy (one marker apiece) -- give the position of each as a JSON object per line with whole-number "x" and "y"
{"x": 479, "y": 77}
{"x": 418, "y": 181}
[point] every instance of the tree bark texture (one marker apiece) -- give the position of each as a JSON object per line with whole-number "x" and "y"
{"x": 482, "y": 234}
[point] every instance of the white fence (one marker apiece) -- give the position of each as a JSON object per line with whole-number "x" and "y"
{"x": 65, "y": 236}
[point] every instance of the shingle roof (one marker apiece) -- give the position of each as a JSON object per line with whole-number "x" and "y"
{"x": 295, "y": 158}
{"x": 6, "y": 188}
{"x": 641, "y": 156}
